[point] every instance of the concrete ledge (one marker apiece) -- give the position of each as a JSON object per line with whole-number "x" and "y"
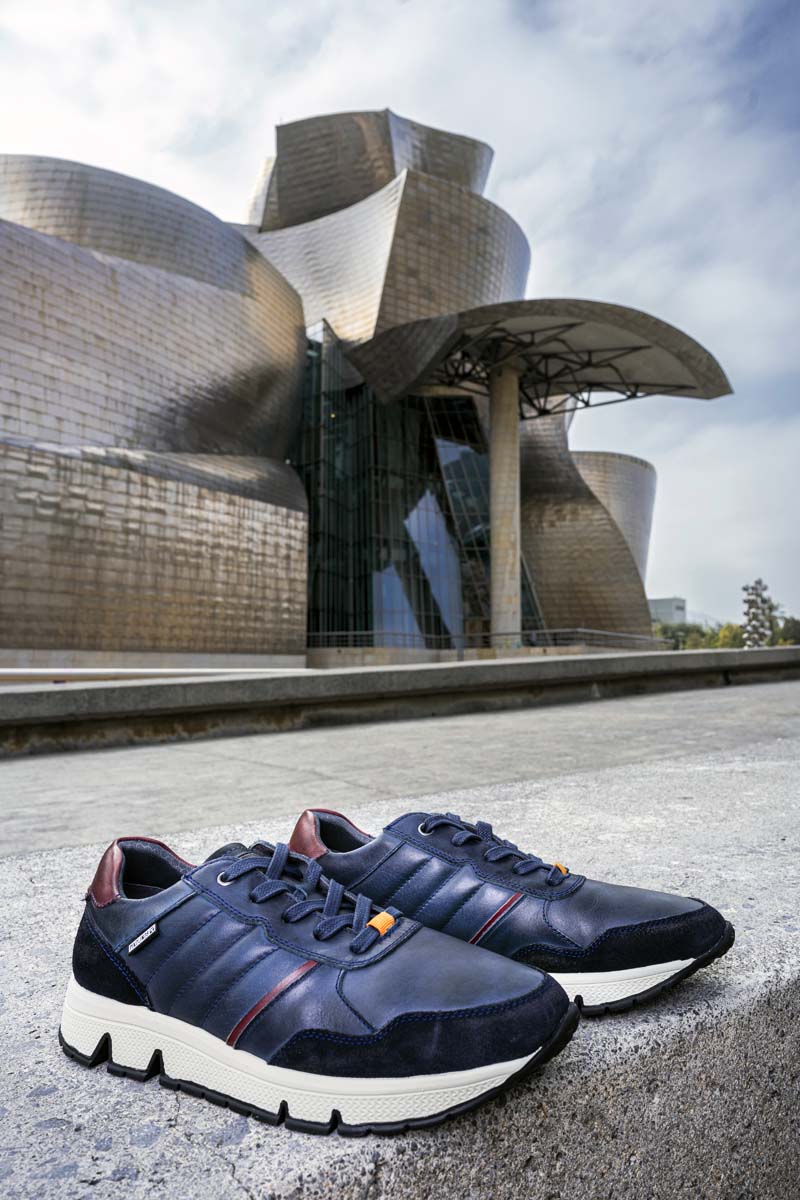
{"x": 692, "y": 1096}
{"x": 44, "y": 717}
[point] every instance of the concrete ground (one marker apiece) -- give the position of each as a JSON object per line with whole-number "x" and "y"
{"x": 71, "y": 799}
{"x": 691, "y": 1096}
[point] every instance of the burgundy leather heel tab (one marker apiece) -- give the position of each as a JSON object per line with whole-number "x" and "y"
{"x": 305, "y": 837}
{"x": 104, "y": 888}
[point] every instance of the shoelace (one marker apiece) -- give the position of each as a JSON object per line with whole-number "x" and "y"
{"x": 286, "y": 874}
{"x": 497, "y": 850}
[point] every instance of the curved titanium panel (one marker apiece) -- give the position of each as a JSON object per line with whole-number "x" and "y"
{"x": 626, "y": 487}
{"x": 126, "y": 218}
{"x": 105, "y": 558}
{"x": 324, "y": 164}
{"x": 418, "y": 247}
{"x": 451, "y": 250}
{"x": 111, "y": 353}
{"x": 581, "y": 565}
{"x": 338, "y": 263}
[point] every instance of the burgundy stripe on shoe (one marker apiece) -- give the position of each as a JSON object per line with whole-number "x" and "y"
{"x": 281, "y": 986}
{"x": 487, "y": 925}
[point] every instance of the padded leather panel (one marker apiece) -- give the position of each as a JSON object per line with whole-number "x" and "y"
{"x": 469, "y": 917}
{"x": 246, "y": 989}
{"x": 440, "y": 907}
{"x": 434, "y": 973}
{"x": 310, "y": 1003}
{"x": 428, "y": 877}
{"x": 125, "y": 919}
{"x": 173, "y": 928}
{"x": 184, "y": 957}
{"x": 600, "y": 906}
{"x": 520, "y": 926}
{"x": 355, "y": 867}
{"x": 216, "y": 975}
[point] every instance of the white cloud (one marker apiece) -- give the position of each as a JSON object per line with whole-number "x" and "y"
{"x": 641, "y": 145}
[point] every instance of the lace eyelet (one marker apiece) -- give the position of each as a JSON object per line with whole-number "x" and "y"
{"x": 224, "y": 882}
{"x": 424, "y": 832}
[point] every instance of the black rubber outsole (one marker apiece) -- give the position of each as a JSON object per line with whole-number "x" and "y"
{"x": 628, "y": 1002}
{"x": 103, "y": 1051}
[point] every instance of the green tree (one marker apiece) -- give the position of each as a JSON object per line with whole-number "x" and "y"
{"x": 789, "y": 633}
{"x": 680, "y": 633}
{"x": 730, "y": 637}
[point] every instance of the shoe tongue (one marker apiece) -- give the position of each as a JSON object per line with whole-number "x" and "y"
{"x": 226, "y": 851}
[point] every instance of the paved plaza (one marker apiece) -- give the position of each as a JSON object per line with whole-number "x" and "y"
{"x": 692, "y": 1095}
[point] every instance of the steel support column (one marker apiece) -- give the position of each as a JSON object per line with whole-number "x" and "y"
{"x": 506, "y": 613}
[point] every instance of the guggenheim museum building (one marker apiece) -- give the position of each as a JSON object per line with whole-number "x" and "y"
{"x": 337, "y": 429}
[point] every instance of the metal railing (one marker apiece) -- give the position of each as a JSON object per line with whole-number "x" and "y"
{"x": 538, "y": 638}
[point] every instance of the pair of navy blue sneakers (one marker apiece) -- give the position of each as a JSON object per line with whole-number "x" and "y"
{"x": 365, "y": 984}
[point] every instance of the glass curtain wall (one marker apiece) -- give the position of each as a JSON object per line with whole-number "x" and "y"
{"x": 399, "y": 514}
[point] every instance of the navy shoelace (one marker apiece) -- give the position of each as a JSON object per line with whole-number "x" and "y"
{"x": 497, "y": 849}
{"x": 286, "y": 873}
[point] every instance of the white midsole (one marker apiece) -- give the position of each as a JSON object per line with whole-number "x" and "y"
{"x": 196, "y": 1056}
{"x": 603, "y": 987}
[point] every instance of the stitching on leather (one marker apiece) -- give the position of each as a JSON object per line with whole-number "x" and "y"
{"x": 139, "y": 988}
{"x": 563, "y": 936}
{"x": 457, "y": 910}
{"x": 613, "y": 932}
{"x": 366, "y": 874}
{"x": 373, "y": 1039}
{"x": 275, "y": 1000}
{"x": 228, "y": 986}
{"x": 528, "y": 889}
{"x": 203, "y": 967}
{"x": 436, "y": 891}
{"x": 353, "y": 1010}
{"x": 400, "y": 886}
{"x": 181, "y": 943}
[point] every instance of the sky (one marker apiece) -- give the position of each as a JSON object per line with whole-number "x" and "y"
{"x": 649, "y": 150}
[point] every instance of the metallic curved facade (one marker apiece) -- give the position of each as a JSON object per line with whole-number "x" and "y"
{"x": 127, "y": 218}
{"x": 161, "y": 369}
{"x": 151, "y": 386}
{"x": 103, "y": 558}
{"x": 626, "y": 487}
{"x": 416, "y": 248}
{"x": 111, "y": 353}
{"x": 327, "y": 163}
{"x": 585, "y": 572}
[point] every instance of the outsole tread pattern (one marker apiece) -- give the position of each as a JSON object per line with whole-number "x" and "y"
{"x": 625, "y": 1005}
{"x": 103, "y": 1053}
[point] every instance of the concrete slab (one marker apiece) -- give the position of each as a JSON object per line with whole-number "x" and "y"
{"x": 693, "y": 1096}
{"x": 42, "y": 718}
{"x": 71, "y": 799}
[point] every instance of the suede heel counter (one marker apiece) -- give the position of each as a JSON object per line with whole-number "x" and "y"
{"x": 98, "y": 968}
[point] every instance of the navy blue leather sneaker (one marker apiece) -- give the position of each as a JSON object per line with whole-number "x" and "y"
{"x": 256, "y": 983}
{"x": 608, "y": 946}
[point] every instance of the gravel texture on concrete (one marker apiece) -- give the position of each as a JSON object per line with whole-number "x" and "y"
{"x": 694, "y": 1095}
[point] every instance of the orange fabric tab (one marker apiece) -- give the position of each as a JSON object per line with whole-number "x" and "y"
{"x": 382, "y": 921}
{"x": 561, "y": 868}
